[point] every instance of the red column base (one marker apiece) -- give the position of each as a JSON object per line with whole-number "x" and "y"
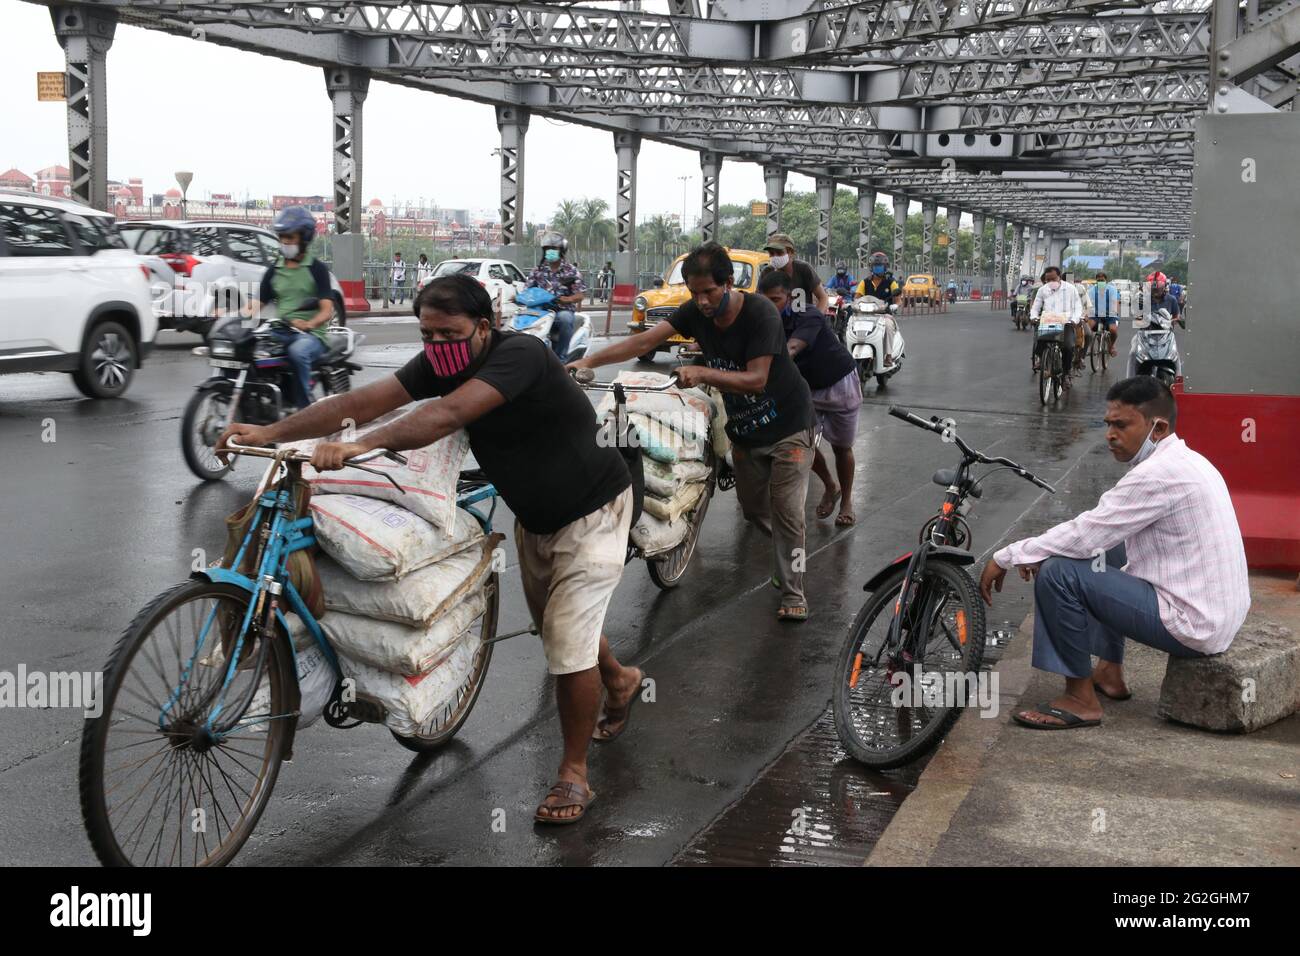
{"x": 1254, "y": 442}
{"x": 354, "y": 296}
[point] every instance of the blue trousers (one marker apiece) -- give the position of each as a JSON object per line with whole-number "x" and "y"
{"x": 1079, "y": 612}
{"x": 303, "y": 349}
{"x": 562, "y": 332}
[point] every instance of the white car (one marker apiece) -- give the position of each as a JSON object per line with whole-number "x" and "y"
{"x": 218, "y": 267}
{"x": 500, "y": 277}
{"x": 73, "y": 296}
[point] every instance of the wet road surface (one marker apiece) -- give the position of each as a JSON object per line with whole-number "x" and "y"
{"x": 104, "y": 517}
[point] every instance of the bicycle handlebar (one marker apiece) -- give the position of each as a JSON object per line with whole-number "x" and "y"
{"x": 586, "y": 378}
{"x": 297, "y": 455}
{"x": 938, "y": 427}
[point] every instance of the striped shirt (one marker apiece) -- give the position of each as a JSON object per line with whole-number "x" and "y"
{"x": 1175, "y": 519}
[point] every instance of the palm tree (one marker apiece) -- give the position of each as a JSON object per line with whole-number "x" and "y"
{"x": 594, "y": 223}
{"x": 565, "y": 219}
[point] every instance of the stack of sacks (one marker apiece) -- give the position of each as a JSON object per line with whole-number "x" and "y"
{"x": 674, "y": 430}
{"x": 404, "y": 579}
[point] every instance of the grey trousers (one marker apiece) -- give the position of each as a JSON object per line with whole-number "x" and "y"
{"x": 772, "y": 486}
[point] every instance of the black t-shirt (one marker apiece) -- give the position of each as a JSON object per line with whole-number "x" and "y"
{"x": 785, "y": 405}
{"x": 539, "y": 449}
{"x": 806, "y": 278}
{"x": 825, "y": 360}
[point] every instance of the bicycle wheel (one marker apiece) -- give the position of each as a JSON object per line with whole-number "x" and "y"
{"x": 446, "y": 721}
{"x": 157, "y": 788}
{"x": 1103, "y": 348}
{"x": 883, "y": 725}
{"x": 1046, "y": 364}
{"x": 666, "y": 570}
{"x": 1058, "y": 372}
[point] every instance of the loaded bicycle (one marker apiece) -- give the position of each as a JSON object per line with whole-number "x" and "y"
{"x": 906, "y": 668}
{"x": 201, "y": 696}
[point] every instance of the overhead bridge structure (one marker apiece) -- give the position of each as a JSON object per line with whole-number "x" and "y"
{"x": 1049, "y": 118}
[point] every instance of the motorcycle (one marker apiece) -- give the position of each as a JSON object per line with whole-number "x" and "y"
{"x": 536, "y": 317}
{"x": 870, "y": 328}
{"x": 837, "y": 310}
{"x": 952, "y": 295}
{"x": 1154, "y": 350}
{"x": 251, "y": 375}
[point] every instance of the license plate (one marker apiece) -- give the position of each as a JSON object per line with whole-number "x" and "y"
{"x": 226, "y": 363}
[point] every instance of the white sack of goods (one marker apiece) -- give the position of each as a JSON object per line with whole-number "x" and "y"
{"x": 676, "y": 506}
{"x": 416, "y": 600}
{"x": 399, "y": 649}
{"x": 689, "y": 417}
{"x": 374, "y": 540}
{"x": 428, "y": 479}
{"x": 655, "y": 535}
{"x": 663, "y": 443}
{"x": 664, "y": 480}
{"x": 412, "y": 701}
{"x": 316, "y": 681}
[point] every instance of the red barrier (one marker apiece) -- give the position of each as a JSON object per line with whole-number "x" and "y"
{"x": 354, "y": 296}
{"x": 623, "y": 294}
{"x": 976, "y": 295}
{"x": 1252, "y": 441}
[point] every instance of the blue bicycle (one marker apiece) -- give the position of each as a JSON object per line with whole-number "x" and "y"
{"x": 201, "y": 697}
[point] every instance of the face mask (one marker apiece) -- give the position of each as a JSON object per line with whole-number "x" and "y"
{"x": 722, "y": 303}
{"x": 552, "y": 255}
{"x": 1148, "y": 446}
{"x": 1054, "y": 285}
{"x": 449, "y": 359}
{"x": 780, "y": 262}
{"x": 877, "y": 270}
{"x": 289, "y": 250}
{"x": 841, "y": 272}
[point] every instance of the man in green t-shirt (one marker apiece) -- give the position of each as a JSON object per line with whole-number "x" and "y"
{"x": 300, "y": 285}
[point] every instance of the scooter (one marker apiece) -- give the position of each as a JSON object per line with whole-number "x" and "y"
{"x": 871, "y": 335}
{"x": 1154, "y": 350}
{"x": 536, "y": 317}
{"x": 837, "y": 310}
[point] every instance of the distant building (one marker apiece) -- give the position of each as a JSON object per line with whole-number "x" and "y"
{"x": 312, "y": 203}
{"x": 16, "y": 179}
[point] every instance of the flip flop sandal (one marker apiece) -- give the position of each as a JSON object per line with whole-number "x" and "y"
{"x": 600, "y": 738}
{"x": 1099, "y": 689}
{"x": 577, "y": 797}
{"x": 825, "y": 512}
{"x": 797, "y": 613}
{"x": 845, "y": 520}
{"x": 1072, "y": 721}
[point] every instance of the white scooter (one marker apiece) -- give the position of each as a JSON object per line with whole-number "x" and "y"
{"x": 1154, "y": 350}
{"x": 871, "y": 335}
{"x": 536, "y": 316}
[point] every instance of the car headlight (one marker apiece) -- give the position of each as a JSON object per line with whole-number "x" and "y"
{"x": 639, "y": 303}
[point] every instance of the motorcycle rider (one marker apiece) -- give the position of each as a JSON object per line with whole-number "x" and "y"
{"x": 880, "y": 284}
{"x": 300, "y": 284}
{"x": 1161, "y": 298}
{"x": 1024, "y": 295}
{"x": 841, "y": 282}
{"x": 557, "y": 275}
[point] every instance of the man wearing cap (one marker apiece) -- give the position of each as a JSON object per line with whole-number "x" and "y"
{"x": 781, "y": 248}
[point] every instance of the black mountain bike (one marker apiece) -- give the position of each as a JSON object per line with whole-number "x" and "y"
{"x": 1051, "y": 360}
{"x": 913, "y": 655}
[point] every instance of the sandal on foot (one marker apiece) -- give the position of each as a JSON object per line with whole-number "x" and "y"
{"x": 623, "y": 716}
{"x": 845, "y": 519}
{"x": 824, "y": 508}
{"x": 1071, "y": 721}
{"x": 793, "y": 612}
{"x": 1101, "y": 690}
{"x": 577, "y": 796}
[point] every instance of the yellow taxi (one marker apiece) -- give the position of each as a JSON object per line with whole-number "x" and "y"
{"x": 922, "y": 287}
{"x": 654, "y": 305}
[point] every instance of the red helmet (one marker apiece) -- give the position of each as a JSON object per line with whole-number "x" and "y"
{"x": 1158, "y": 278}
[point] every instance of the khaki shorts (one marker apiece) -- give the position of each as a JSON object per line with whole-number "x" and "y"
{"x": 569, "y": 577}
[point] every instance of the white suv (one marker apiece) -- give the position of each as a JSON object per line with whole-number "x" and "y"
{"x": 500, "y": 277}
{"x": 73, "y": 297}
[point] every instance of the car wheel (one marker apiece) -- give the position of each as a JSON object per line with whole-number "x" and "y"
{"x": 107, "y": 361}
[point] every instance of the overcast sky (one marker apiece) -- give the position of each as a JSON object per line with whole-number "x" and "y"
{"x": 170, "y": 98}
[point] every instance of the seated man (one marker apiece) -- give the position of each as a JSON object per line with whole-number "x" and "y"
{"x": 557, "y": 275}
{"x": 1183, "y": 590}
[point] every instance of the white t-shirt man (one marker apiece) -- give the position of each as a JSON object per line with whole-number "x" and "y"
{"x": 1061, "y": 300}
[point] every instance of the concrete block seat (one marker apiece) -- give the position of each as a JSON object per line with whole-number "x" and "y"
{"x": 1252, "y": 684}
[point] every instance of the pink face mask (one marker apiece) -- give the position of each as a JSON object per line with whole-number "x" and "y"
{"x": 449, "y": 359}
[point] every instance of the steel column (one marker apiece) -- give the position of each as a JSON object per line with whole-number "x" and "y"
{"x": 512, "y": 121}
{"x": 774, "y": 180}
{"x": 85, "y": 36}
{"x": 825, "y": 204}
{"x": 866, "y": 216}
{"x": 347, "y": 92}
{"x": 954, "y": 226}
{"x": 928, "y": 212}
{"x": 977, "y": 249}
{"x": 999, "y": 262}
{"x": 711, "y": 170}
{"x": 900, "y": 229}
{"x": 626, "y": 147}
